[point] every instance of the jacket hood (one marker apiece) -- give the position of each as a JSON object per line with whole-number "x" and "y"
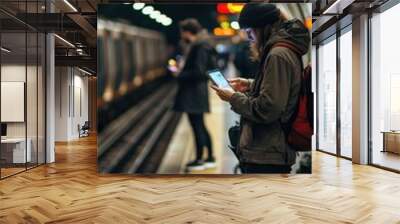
{"x": 292, "y": 31}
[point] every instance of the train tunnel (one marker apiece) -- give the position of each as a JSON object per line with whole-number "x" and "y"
{"x": 138, "y": 46}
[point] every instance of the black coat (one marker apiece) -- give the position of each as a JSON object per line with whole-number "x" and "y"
{"x": 192, "y": 95}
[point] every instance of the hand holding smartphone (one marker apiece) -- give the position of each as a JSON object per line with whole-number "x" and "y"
{"x": 218, "y": 79}
{"x": 240, "y": 84}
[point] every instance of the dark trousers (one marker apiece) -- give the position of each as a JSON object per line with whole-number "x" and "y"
{"x": 256, "y": 168}
{"x": 201, "y": 135}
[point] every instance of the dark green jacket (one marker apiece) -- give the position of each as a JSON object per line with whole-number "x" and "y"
{"x": 272, "y": 99}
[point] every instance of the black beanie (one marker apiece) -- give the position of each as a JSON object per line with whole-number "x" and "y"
{"x": 255, "y": 15}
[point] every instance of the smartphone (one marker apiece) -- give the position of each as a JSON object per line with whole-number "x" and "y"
{"x": 218, "y": 79}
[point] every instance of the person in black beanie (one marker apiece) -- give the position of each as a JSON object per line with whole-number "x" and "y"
{"x": 270, "y": 100}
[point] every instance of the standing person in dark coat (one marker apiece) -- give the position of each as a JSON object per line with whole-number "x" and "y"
{"x": 192, "y": 95}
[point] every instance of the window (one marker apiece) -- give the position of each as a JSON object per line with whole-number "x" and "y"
{"x": 385, "y": 89}
{"x": 22, "y": 75}
{"x": 346, "y": 93}
{"x": 327, "y": 96}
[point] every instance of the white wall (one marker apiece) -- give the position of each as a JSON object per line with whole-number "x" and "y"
{"x": 12, "y": 73}
{"x": 71, "y": 94}
{"x": 61, "y": 103}
{"x": 33, "y": 126}
{"x": 15, "y": 73}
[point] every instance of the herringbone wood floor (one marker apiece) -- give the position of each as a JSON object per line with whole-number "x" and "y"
{"x": 70, "y": 191}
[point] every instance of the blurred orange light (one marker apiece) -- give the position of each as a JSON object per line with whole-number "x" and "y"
{"x": 222, "y": 18}
{"x": 308, "y": 23}
{"x": 235, "y": 7}
{"x": 222, "y": 8}
{"x": 229, "y": 32}
{"x": 223, "y": 32}
{"x": 218, "y": 31}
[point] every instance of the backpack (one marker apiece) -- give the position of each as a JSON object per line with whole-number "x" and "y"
{"x": 299, "y": 128}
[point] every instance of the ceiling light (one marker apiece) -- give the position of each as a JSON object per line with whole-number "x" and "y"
{"x": 70, "y": 5}
{"x": 164, "y": 20}
{"x": 138, "y": 6}
{"x": 160, "y": 18}
{"x": 64, "y": 40}
{"x": 235, "y": 25}
{"x": 84, "y": 71}
{"x": 147, "y": 10}
{"x": 167, "y": 21}
{"x": 5, "y": 50}
{"x": 337, "y": 7}
{"x": 155, "y": 14}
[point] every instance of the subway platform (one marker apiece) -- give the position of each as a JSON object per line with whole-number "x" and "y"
{"x": 150, "y": 137}
{"x": 181, "y": 149}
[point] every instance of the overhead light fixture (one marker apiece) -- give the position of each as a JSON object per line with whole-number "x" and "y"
{"x": 337, "y": 7}
{"x": 138, "y": 6}
{"x": 164, "y": 20}
{"x": 65, "y": 41}
{"x": 160, "y": 18}
{"x": 167, "y": 22}
{"x": 147, "y": 10}
{"x": 155, "y": 14}
{"x": 84, "y": 71}
{"x": 5, "y": 50}
{"x": 70, "y": 5}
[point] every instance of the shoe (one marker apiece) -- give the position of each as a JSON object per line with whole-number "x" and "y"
{"x": 210, "y": 163}
{"x": 195, "y": 165}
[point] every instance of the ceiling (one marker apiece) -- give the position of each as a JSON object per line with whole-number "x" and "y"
{"x": 76, "y": 22}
